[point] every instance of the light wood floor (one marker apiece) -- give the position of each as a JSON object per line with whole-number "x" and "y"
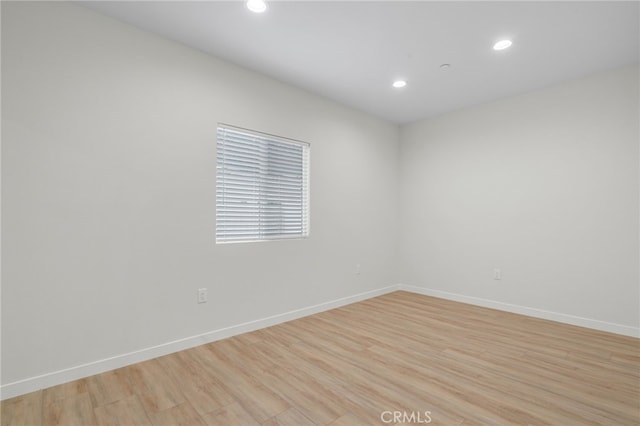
{"x": 398, "y": 352}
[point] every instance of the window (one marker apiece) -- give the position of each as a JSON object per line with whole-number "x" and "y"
{"x": 262, "y": 186}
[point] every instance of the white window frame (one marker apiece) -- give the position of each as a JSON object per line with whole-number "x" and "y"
{"x": 262, "y": 186}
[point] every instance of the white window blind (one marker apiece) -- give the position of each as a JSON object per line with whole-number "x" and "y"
{"x": 262, "y": 186}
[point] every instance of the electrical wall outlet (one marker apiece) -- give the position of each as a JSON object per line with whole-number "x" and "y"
{"x": 497, "y": 274}
{"x": 358, "y": 269}
{"x": 202, "y": 295}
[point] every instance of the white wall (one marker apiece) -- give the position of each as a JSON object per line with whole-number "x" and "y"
{"x": 108, "y": 205}
{"x": 108, "y": 173}
{"x": 543, "y": 186}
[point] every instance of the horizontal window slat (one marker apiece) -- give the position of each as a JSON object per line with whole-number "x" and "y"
{"x": 260, "y": 172}
{"x": 258, "y": 144}
{"x": 260, "y": 186}
{"x": 248, "y": 166}
{"x": 283, "y": 215}
{"x": 261, "y": 209}
{"x": 248, "y": 220}
{"x": 232, "y": 178}
{"x": 229, "y": 150}
{"x": 259, "y": 231}
{"x": 253, "y": 159}
{"x": 254, "y": 139}
{"x": 264, "y": 198}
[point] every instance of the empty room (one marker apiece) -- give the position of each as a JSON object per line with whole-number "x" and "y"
{"x": 320, "y": 213}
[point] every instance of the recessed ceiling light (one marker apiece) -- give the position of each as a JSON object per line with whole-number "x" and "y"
{"x": 502, "y": 44}
{"x": 257, "y": 6}
{"x": 445, "y": 66}
{"x": 399, "y": 83}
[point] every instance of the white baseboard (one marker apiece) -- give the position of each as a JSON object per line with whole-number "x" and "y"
{"x": 32, "y": 384}
{"x": 523, "y": 310}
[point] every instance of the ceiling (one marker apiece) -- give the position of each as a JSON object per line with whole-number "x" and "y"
{"x": 351, "y": 51}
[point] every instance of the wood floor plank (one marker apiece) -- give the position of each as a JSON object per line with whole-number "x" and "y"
{"x": 180, "y": 415}
{"x": 154, "y": 386}
{"x": 64, "y": 391}
{"x": 75, "y": 410}
{"x": 124, "y": 412}
{"x": 23, "y": 410}
{"x": 291, "y": 417}
{"x": 313, "y": 400}
{"x": 202, "y": 390}
{"x": 232, "y": 414}
{"x": 400, "y": 352}
{"x": 349, "y": 419}
{"x": 255, "y": 397}
{"x": 109, "y": 387}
